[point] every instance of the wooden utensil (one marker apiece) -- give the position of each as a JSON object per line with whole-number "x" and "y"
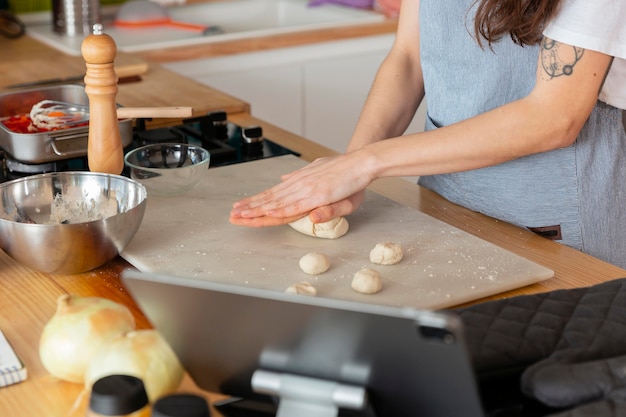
{"x": 123, "y": 72}
{"x": 49, "y": 114}
{"x": 154, "y": 112}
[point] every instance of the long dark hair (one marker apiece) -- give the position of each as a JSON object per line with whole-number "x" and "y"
{"x": 522, "y": 20}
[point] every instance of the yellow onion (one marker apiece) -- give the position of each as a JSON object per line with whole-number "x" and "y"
{"x": 140, "y": 353}
{"x": 76, "y": 331}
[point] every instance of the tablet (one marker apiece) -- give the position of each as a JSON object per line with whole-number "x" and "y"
{"x": 311, "y": 356}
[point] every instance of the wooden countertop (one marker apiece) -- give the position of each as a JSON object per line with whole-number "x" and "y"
{"x": 26, "y": 60}
{"x": 269, "y": 42}
{"x": 29, "y": 297}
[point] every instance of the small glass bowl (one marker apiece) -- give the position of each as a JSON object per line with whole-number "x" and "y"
{"x": 168, "y": 168}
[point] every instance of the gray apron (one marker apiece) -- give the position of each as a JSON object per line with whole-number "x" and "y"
{"x": 574, "y": 195}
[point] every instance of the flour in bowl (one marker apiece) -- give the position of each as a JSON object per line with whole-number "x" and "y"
{"x": 80, "y": 210}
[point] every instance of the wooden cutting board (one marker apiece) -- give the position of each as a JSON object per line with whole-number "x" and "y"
{"x": 189, "y": 236}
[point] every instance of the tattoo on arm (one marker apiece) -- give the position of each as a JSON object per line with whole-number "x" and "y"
{"x": 558, "y": 59}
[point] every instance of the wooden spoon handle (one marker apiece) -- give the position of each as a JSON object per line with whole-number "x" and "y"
{"x": 154, "y": 112}
{"x": 124, "y": 71}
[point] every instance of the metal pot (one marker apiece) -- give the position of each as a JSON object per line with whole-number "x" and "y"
{"x": 36, "y": 148}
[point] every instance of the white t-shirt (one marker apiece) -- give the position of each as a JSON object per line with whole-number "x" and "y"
{"x": 598, "y": 25}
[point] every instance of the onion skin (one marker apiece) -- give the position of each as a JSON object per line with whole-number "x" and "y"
{"x": 140, "y": 353}
{"x": 78, "y": 328}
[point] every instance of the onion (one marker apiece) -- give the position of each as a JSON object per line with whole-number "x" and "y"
{"x": 140, "y": 353}
{"x": 78, "y": 328}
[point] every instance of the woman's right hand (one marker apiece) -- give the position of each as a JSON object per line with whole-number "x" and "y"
{"x": 318, "y": 215}
{"x": 325, "y": 189}
{"x": 338, "y": 209}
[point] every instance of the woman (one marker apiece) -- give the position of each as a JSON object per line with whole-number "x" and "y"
{"x": 524, "y": 121}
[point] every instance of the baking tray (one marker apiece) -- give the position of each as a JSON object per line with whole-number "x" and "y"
{"x": 42, "y": 147}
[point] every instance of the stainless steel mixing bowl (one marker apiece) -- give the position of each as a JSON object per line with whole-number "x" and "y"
{"x": 69, "y": 222}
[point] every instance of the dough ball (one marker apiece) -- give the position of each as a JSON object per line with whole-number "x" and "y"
{"x": 367, "y": 281}
{"x": 386, "y": 253}
{"x": 331, "y": 229}
{"x": 302, "y": 288}
{"x": 314, "y": 263}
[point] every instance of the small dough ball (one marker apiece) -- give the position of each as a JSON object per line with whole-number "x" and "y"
{"x": 314, "y": 263}
{"x": 302, "y": 288}
{"x": 331, "y": 229}
{"x": 386, "y": 253}
{"x": 367, "y": 281}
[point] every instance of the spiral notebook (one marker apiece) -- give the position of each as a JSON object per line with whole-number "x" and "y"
{"x": 12, "y": 369}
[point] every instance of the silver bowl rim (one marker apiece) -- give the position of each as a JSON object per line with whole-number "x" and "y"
{"x": 67, "y": 173}
{"x": 206, "y": 156}
{"x": 139, "y": 185}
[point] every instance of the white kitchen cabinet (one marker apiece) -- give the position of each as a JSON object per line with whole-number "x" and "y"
{"x": 335, "y": 88}
{"x": 273, "y": 92}
{"x": 315, "y": 91}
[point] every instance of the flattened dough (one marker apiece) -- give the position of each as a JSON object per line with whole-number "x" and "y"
{"x": 331, "y": 229}
{"x": 302, "y": 288}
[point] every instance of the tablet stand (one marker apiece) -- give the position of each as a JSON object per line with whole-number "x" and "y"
{"x": 308, "y": 397}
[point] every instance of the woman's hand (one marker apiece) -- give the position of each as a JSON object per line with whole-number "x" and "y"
{"x": 318, "y": 215}
{"x": 325, "y": 189}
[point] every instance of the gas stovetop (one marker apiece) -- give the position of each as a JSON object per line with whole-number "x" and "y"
{"x": 227, "y": 143}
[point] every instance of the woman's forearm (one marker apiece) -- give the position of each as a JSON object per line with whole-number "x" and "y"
{"x": 550, "y": 117}
{"x": 512, "y": 131}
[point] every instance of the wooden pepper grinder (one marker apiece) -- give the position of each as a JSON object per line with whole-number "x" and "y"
{"x": 105, "y": 152}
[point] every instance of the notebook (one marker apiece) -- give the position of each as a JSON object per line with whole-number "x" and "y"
{"x": 303, "y": 353}
{"x": 12, "y": 370}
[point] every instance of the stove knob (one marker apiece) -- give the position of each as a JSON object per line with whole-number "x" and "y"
{"x": 252, "y": 134}
{"x": 219, "y": 125}
{"x": 252, "y": 141}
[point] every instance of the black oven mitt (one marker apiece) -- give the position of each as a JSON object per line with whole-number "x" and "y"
{"x": 565, "y": 345}
{"x": 612, "y": 406}
{"x": 598, "y": 384}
